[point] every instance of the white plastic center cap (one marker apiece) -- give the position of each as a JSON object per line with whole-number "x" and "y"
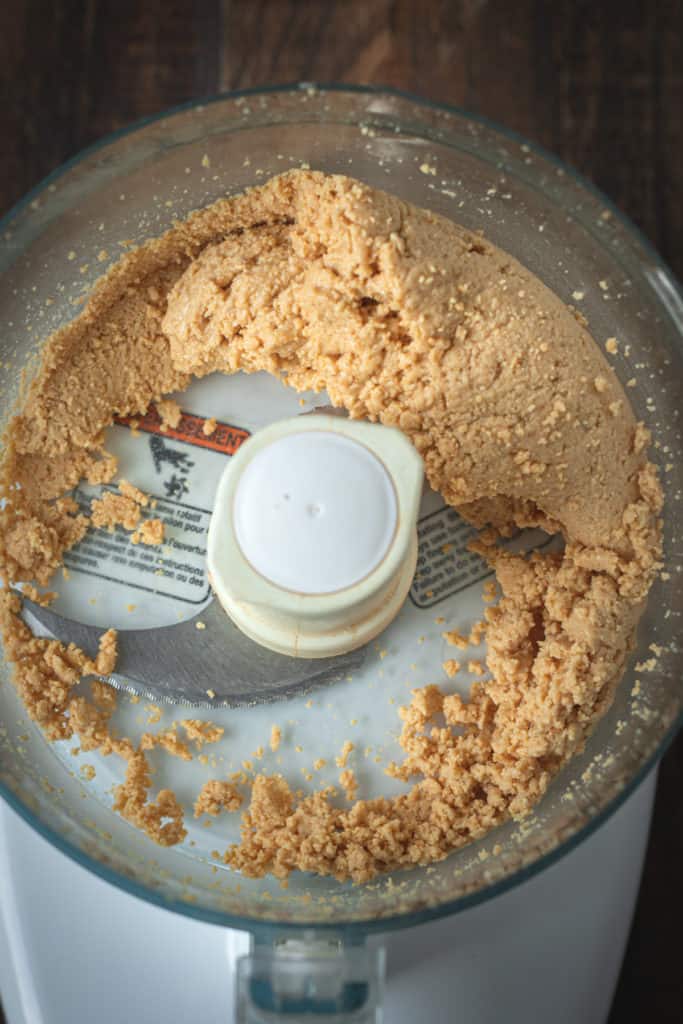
{"x": 315, "y": 512}
{"x": 312, "y": 543}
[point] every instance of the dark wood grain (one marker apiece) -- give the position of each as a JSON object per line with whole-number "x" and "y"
{"x": 599, "y": 83}
{"x": 72, "y": 71}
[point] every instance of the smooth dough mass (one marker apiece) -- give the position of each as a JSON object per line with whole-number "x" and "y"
{"x": 407, "y": 318}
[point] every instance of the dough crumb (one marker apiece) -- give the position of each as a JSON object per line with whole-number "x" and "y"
{"x": 161, "y": 819}
{"x": 34, "y": 595}
{"x": 168, "y": 741}
{"x": 275, "y": 737}
{"x": 102, "y": 470}
{"x": 134, "y": 493}
{"x": 150, "y": 532}
{"x": 153, "y": 714}
{"x": 476, "y": 667}
{"x": 216, "y": 796}
{"x": 349, "y": 783}
{"x": 201, "y": 732}
{"x": 343, "y": 757}
{"x": 112, "y": 510}
{"x": 451, "y": 667}
{"x": 456, "y": 639}
{"x": 105, "y": 662}
{"x": 478, "y": 630}
{"x": 209, "y": 426}
{"x": 170, "y": 413}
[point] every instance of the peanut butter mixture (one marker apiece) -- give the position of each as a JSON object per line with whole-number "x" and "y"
{"x": 123, "y": 509}
{"x": 406, "y": 318}
{"x": 215, "y": 796}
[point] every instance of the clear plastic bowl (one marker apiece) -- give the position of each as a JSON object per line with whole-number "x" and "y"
{"x": 133, "y": 185}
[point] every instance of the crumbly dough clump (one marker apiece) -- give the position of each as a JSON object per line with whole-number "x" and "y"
{"x": 216, "y": 796}
{"x": 170, "y": 413}
{"x": 406, "y": 318}
{"x": 150, "y": 532}
{"x": 112, "y": 510}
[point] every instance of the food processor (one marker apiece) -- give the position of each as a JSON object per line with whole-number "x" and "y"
{"x": 528, "y": 921}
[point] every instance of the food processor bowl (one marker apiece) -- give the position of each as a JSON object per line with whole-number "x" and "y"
{"x": 134, "y": 185}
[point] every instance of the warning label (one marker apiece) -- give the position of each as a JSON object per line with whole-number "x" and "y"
{"x": 225, "y": 438}
{"x": 175, "y": 568}
{"x": 178, "y": 468}
{"x": 444, "y": 565}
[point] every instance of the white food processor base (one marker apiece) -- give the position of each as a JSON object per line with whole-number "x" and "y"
{"x": 75, "y": 950}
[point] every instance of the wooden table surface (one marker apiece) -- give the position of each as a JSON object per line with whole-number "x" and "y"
{"x": 598, "y": 82}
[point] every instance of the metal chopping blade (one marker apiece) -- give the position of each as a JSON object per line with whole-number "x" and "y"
{"x": 218, "y": 665}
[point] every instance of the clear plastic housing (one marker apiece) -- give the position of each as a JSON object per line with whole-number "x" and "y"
{"x": 133, "y": 186}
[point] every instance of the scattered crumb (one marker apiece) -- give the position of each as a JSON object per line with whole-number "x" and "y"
{"x": 134, "y": 493}
{"x": 476, "y": 633}
{"x": 170, "y": 412}
{"x": 168, "y": 741}
{"x": 153, "y": 714}
{"x": 150, "y": 532}
{"x": 346, "y": 749}
{"x": 456, "y": 639}
{"x": 275, "y": 737}
{"x": 112, "y": 510}
{"x": 42, "y": 599}
{"x": 347, "y": 780}
{"x": 216, "y": 796}
{"x": 201, "y": 732}
{"x": 451, "y": 667}
{"x": 476, "y": 667}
